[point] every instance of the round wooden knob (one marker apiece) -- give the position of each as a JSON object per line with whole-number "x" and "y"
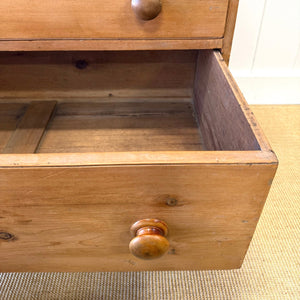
{"x": 149, "y": 240}
{"x": 146, "y": 9}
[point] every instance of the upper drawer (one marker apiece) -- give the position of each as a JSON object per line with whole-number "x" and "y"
{"x": 96, "y": 19}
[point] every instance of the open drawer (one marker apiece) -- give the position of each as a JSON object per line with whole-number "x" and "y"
{"x": 92, "y": 142}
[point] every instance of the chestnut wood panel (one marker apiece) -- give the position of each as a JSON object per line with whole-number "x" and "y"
{"x": 30, "y": 129}
{"x": 52, "y": 75}
{"x": 79, "y": 219}
{"x": 90, "y": 19}
{"x": 134, "y": 126}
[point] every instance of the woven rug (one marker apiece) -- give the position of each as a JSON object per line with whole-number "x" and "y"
{"x": 271, "y": 269}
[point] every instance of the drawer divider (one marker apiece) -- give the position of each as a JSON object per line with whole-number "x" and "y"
{"x": 29, "y": 131}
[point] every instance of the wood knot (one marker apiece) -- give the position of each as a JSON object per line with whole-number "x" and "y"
{"x": 171, "y": 201}
{"x": 6, "y": 236}
{"x": 172, "y": 251}
{"x": 81, "y": 64}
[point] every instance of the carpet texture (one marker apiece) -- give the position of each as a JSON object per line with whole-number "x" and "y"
{"x": 271, "y": 269}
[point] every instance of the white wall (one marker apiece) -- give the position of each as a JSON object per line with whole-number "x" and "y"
{"x": 265, "y": 57}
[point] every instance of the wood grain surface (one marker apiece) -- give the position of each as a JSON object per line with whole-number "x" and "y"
{"x": 107, "y": 74}
{"x": 79, "y": 219}
{"x": 109, "y": 44}
{"x": 120, "y": 127}
{"x": 92, "y": 19}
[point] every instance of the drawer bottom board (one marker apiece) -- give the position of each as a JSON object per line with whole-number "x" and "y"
{"x": 99, "y": 127}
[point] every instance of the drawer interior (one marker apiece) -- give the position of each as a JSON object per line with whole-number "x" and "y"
{"x": 83, "y": 102}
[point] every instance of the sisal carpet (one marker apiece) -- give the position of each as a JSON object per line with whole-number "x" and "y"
{"x": 271, "y": 269}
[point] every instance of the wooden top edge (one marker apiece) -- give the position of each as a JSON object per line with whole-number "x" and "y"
{"x": 107, "y": 44}
{"x": 137, "y": 158}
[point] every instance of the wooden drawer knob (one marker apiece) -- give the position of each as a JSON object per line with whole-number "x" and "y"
{"x": 149, "y": 240}
{"x": 146, "y": 9}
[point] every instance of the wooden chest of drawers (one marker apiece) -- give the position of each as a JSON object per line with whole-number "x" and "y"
{"x": 95, "y": 139}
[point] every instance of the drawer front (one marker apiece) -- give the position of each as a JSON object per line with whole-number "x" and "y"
{"x": 94, "y": 19}
{"x": 79, "y": 219}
